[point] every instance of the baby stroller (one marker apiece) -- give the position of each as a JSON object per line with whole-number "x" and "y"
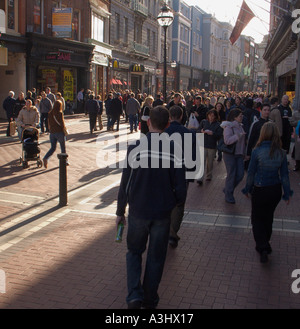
{"x": 30, "y": 147}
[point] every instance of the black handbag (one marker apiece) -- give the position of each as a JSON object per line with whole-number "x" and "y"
{"x": 229, "y": 149}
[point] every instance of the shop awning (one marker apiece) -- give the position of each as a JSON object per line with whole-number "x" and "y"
{"x": 119, "y": 82}
{"x": 114, "y": 82}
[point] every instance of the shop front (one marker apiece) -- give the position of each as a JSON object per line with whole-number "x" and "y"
{"x": 120, "y": 77}
{"x": 171, "y": 78}
{"x": 12, "y": 67}
{"x": 62, "y": 65}
{"x": 185, "y": 77}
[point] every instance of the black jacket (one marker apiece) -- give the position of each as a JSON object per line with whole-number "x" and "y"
{"x": 176, "y": 127}
{"x": 151, "y": 192}
{"x": 254, "y": 134}
{"x": 18, "y": 106}
{"x": 92, "y": 106}
{"x": 116, "y": 108}
{"x": 201, "y": 110}
{"x": 210, "y": 141}
{"x": 9, "y": 105}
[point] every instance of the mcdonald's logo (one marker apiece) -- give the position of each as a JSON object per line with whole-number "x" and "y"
{"x": 115, "y": 64}
{"x": 137, "y": 68}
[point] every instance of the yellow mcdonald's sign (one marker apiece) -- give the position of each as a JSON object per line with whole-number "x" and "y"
{"x": 115, "y": 64}
{"x": 137, "y": 68}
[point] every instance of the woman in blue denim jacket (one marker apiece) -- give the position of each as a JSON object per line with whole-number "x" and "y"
{"x": 267, "y": 175}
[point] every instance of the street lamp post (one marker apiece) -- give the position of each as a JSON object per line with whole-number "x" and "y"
{"x": 165, "y": 19}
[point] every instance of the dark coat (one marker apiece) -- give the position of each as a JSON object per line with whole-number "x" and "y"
{"x": 210, "y": 141}
{"x": 92, "y": 106}
{"x": 9, "y": 105}
{"x": 116, "y": 108}
{"x": 254, "y": 134}
{"x": 201, "y": 110}
{"x": 152, "y": 193}
{"x": 18, "y": 106}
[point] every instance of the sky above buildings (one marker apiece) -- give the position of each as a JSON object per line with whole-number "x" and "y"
{"x": 228, "y": 10}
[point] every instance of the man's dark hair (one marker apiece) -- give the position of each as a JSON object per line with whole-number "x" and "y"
{"x": 249, "y": 103}
{"x": 159, "y": 117}
{"x": 266, "y": 105}
{"x": 274, "y": 100}
{"x": 176, "y": 112}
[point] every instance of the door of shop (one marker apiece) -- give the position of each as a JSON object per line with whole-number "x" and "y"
{"x": 136, "y": 83}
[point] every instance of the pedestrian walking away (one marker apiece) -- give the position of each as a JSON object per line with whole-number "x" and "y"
{"x": 9, "y": 105}
{"x": 92, "y": 107}
{"x": 267, "y": 175}
{"x": 132, "y": 109}
{"x": 45, "y": 107}
{"x": 176, "y": 127}
{"x": 58, "y": 130}
{"x": 234, "y": 133}
{"x": 151, "y": 194}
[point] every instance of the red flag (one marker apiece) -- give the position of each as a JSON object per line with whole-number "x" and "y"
{"x": 245, "y": 16}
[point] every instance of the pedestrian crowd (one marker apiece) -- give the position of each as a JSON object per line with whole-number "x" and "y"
{"x": 250, "y": 132}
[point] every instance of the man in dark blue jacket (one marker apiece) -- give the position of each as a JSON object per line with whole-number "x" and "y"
{"x": 152, "y": 191}
{"x": 92, "y": 108}
{"x": 9, "y": 105}
{"x": 176, "y": 115}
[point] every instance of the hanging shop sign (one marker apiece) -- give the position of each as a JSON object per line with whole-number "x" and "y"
{"x": 115, "y": 64}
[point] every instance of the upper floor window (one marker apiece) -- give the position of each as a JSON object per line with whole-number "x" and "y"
{"x": 98, "y": 28}
{"x": 37, "y": 16}
{"x": 10, "y": 7}
{"x": 117, "y": 26}
{"x": 76, "y": 25}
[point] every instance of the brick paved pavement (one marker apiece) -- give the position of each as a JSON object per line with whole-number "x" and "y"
{"x": 67, "y": 258}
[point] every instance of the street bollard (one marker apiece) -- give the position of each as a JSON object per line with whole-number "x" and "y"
{"x": 63, "y": 189}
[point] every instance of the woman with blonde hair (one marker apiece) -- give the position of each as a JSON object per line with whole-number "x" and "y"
{"x": 267, "y": 175}
{"x": 57, "y": 130}
{"x": 145, "y": 114}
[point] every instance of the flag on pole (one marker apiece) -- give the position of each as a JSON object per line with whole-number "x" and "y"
{"x": 245, "y": 16}
{"x": 239, "y": 67}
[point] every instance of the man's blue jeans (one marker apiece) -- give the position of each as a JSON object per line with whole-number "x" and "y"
{"x": 54, "y": 138}
{"x": 235, "y": 174}
{"x": 138, "y": 232}
{"x": 133, "y": 122}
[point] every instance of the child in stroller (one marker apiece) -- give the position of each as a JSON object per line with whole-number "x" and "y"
{"x": 30, "y": 147}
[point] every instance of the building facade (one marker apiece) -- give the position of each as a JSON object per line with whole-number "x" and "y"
{"x": 13, "y": 45}
{"x": 134, "y": 37}
{"x": 282, "y": 50}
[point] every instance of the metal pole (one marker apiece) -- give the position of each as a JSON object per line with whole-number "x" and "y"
{"x": 165, "y": 66}
{"x": 63, "y": 190}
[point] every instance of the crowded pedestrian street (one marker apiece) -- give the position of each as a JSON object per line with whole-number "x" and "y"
{"x": 54, "y": 257}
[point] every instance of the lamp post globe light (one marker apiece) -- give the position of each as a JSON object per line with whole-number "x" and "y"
{"x": 165, "y": 19}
